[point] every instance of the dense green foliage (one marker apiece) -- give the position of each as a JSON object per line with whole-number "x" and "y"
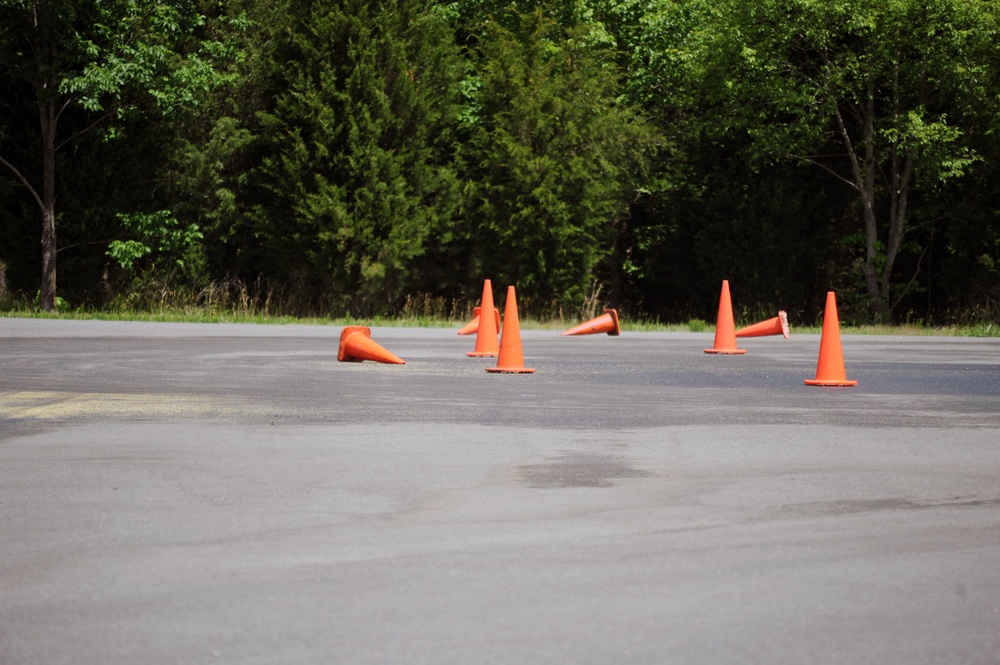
{"x": 343, "y": 158}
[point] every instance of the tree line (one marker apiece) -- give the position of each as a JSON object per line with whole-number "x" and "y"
{"x": 351, "y": 154}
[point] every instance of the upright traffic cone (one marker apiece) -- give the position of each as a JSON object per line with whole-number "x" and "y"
{"x": 356, "y": 345}
{"x": 605, "y": 323}
{"x": 830, "y": 368}
{"x": 487, "y": 344}
{"x": 511, "y": 360}
{"x": 725, "y": 328}
{"x": 473, "y": 325}
{"x": 776, "y": 326}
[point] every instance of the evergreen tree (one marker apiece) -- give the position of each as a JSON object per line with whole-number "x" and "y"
{"x": 552, "y": 158}
{"x": 360, "y": 170}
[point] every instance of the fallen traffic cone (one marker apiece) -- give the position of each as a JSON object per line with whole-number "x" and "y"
{"x": 356, "y": 345}
{"x": 605, "y": 323}
{"x": 487, "y": 345}
{"x": 830, "y": 368}
{"x": 725, "y": 328}
{"x": 511, "y": 360}
{"x": 776, "y": 326}
{"x": 473, "y": 325}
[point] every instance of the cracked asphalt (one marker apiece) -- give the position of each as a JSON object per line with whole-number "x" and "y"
{"x": 183, "y": 493}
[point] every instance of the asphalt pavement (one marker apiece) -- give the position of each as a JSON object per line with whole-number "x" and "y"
{"x": 184, "y": 493}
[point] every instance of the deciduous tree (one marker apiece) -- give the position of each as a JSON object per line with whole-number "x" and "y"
{"x": 103, "y": 60}
{"x": 876, "y": 93}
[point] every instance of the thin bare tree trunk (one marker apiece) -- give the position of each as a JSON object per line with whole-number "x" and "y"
{"x": 900, "y": 175}
{"x": 863, "y": 172}
{"x": 47, "y": 299}
{"x": 897, "y": 223}
{"x": 48, "y": 117}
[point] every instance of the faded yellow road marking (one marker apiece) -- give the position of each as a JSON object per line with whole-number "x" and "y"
{"x": 41, "y": 405}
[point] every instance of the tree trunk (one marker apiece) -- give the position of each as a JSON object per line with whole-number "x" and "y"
{"x": 49, "y": 119}
{"x": 901, "y": 170}
{"x": 897, "y": 224}
{"x": 47, "y": 299}
{"x": 46, "y": 204}
{"x": 863, "y": 169}
{"x": 879, "y": 304}
{"x": 872, "y": 283}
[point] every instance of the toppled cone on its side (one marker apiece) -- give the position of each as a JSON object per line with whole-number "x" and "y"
{"x": 356, "y": 345}
{"x": 605, "y": 323}
{"x": 830, "y": 367}
{"x": 725, "y": 327}
{"x": 473, "y": 325}
{"x": 776, "y": 326}
{"x": 511, "y": 359}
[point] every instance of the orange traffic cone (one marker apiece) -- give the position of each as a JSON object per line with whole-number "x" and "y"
{"x": 776, "y": 326}
{"x": 605, "y": 323}
{"x": 473, "y": 325}
{"x": 356, "y": 345}
{"x": 511, "y": 360}
{"x": 487, "y": 344}
{"x": 830, "y": 368}
{"x": 725, "y": 328}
